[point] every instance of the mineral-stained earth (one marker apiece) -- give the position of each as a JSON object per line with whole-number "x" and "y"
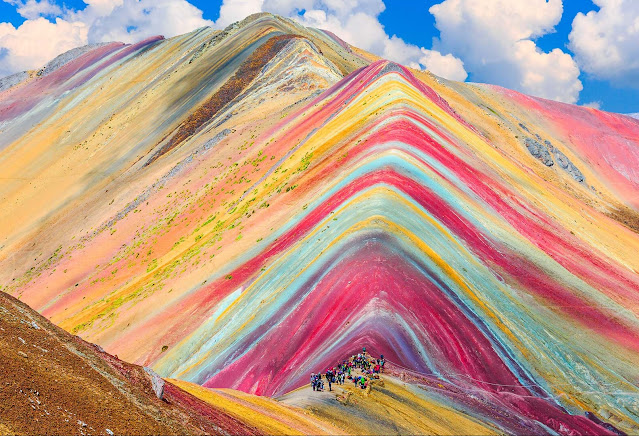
{"x": 236, "y": 209}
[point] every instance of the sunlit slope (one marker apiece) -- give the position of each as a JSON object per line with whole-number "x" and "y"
{"x": 265, "y": 414}
{"x": 390, "y": 407}
{"x": 240, "y": 209}
{"x": 108, "y": 111}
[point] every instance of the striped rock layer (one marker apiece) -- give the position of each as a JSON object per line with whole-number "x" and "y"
{"x": 237, "y": 209}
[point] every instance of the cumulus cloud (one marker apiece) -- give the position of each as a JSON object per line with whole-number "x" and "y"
{"x": 355, "y": 21}
{"x": 232, "y": 11}
{"x": 606, "y": 42}
{"x": 593, "y": 104}
{"x": 443, "y": 65}
{"x": 495, "y": 39}
{"x": 32, "y": 9}
{"x": 36, "y": 42}
{"x": 39, "y": 39}
{"x": 132, "y": 20}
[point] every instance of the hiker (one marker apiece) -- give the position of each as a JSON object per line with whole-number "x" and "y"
{"x": 313, "y": 381}
{"x": 362, "y": 382}
{"x": 329, "y": 379}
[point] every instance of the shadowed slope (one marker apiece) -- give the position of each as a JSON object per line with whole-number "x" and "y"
{"x": 55, "y": 383}
{"x": 245, "y": 74}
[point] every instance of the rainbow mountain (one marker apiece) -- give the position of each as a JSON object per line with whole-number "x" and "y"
{"x": 237, "y": 209}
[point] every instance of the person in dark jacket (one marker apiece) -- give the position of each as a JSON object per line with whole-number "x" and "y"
{"x": 329, "y": 379}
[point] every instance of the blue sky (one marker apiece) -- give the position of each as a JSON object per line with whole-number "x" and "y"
{"x": 412, "y": 21}
{"x": 547, "y": 63}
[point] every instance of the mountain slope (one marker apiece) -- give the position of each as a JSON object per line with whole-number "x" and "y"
{"x": 55, "y": 383}
{"x": 389, "y": 407}
{"x": 189, "y": 203}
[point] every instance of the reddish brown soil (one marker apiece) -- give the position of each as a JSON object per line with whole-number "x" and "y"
{"x": 52, "y": 382}
{"x": 244, "y": 75}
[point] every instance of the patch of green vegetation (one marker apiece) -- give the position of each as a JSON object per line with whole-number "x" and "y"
{"x": 152, "y": 265}
{"x": 306, "y": 161}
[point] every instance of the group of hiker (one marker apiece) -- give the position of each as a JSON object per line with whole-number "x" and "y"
{"x": 369, "y": 367}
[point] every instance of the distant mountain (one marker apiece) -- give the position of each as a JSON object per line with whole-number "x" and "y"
{"x": 240, "y": 208}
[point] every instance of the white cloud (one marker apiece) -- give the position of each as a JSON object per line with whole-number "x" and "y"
{"x": 101, "y": 8}
{"x": 494, "y": 38}
{"x": 235, "y": 10}
{"x": 32, "y": 9}
{"x": 38, "y": 40}
{"x": 606, "y": 42}
{"x": 355, "y": 21}
{"x": 340, "y": 9}
{"x": 443, "y": 65}
{"x": 132, "y": 20}
{"x": 593, "y": 104}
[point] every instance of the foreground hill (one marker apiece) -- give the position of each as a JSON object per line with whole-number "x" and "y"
{"x": 56, "y": 383}
{"x": 237, "y": 209}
